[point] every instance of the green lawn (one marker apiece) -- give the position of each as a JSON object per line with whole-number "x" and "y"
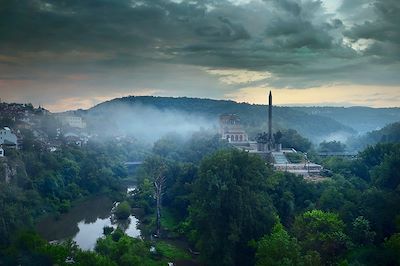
{"x": 171, "y": 252}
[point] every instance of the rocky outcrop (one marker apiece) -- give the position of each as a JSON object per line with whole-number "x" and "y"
{"x": 8, "y": 171}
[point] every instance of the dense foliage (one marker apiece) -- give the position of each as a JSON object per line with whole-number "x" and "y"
{"x": 290, "y": 138}
{"x": 226, "y": 204}
{"x": 29, "y": 249}
{"x": 331, "y": 146}
{"x": 43, "y": 182}
{"x": 387, "y": 134}
{"x": 234, "y": 200}
{"x": 230, "y": 207}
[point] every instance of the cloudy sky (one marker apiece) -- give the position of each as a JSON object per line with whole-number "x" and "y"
{"x": 67, "y": 54}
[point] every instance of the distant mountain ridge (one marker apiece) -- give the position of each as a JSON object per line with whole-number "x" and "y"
{"x": 362, "y": 119}
{"x": 316, "y": 123}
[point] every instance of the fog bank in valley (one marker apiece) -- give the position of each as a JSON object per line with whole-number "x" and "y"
{"x": 145, "y": 123}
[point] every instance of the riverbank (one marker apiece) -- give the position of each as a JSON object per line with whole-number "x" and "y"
{"x": 85, "y": 220}
{"x": 171, "y": 244}
{"x": 84, "y": 223}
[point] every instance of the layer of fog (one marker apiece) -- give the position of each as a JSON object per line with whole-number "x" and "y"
{"x": 149, "y": 123}
{"x": 145, "y": 123}
{"x": 341, "y": 136}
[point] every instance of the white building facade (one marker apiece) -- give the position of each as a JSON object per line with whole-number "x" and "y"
{"x": 73, "y": 121}
{"x": 7, "y": 137}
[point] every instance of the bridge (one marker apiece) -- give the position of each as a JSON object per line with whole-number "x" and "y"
{"x": 134, "y": 163}
{"x": 350, "y": 154}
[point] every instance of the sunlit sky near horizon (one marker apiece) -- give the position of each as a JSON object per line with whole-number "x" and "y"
{"x": 74, "y": 54}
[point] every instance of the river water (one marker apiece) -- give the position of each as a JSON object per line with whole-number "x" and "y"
{"x": 84, "y": 223}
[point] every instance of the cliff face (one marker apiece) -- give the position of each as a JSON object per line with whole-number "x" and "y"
{"x": 10, "y": 170}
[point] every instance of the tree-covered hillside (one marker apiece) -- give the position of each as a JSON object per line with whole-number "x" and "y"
{"x": 253, "y": 117}
{"x": 362, "y": 119}
{"x": 390, "y": 133}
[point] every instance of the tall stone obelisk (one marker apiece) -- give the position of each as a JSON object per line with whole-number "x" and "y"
{"x": 270, "y": 118}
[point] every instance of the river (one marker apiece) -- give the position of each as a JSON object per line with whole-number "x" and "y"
{"x": 84, "y": 223}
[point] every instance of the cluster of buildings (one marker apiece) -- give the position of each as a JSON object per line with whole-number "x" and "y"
{"x": 73, "y": 129}
{"x": 266, "y": 146}
{"x": 49, "y": 131}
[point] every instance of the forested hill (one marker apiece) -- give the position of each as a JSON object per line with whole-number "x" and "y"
{"x": 362, "y": 119}
{"x": 389, "y": 133}
{"x": 254, "y": 117}
{"x": 316, "y": 123}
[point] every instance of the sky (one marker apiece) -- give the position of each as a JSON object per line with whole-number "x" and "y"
{"x": 70, "y": 54}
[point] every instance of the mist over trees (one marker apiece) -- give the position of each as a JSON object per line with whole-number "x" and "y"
{"x": 317, "y": 125}
{"x": 389, "y": 133}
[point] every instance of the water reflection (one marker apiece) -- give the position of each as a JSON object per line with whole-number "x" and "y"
{"x": 84, "y": 223}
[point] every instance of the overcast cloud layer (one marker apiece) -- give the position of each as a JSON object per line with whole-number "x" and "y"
{"x": 75, "y": 53}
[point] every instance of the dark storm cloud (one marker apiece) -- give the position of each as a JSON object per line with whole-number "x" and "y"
{"x": 382, "y": 30}
{"x": 106, "y": 25}
{"x": 293, "y": 39}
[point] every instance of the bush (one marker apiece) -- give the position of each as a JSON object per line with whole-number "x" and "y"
{"x": 64, "y": 206}
{"x": 123, "y": 211}
{"x": 107, "y": 230}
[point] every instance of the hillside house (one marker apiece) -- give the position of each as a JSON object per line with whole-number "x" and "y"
{"x": 7, "y": 138}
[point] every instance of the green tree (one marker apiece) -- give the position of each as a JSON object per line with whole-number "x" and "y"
{"x": 124, "y": 250}
{"x": 278, "y": 248}
{"x": 392, "y": 245}
{"x": 143, "y": 196}
{"x": 230, "y": 206}
{"x": 168, "y": 146}
{"x": 123, "y": 210}
{"x": 321, "y": 231}
{"x": 387, "y": 173}
{"x": 331, "y": 146}
{"x": 361, "y": 231}
{"x": 292, "y": 139}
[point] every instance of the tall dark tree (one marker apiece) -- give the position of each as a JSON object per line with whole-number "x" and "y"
{"x": 230, "y": 207}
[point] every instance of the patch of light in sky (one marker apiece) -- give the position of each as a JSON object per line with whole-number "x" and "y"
{"x": 241, "y": 2}
{"x": 359, "y": 45}
{"x": 332, "y": 5}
